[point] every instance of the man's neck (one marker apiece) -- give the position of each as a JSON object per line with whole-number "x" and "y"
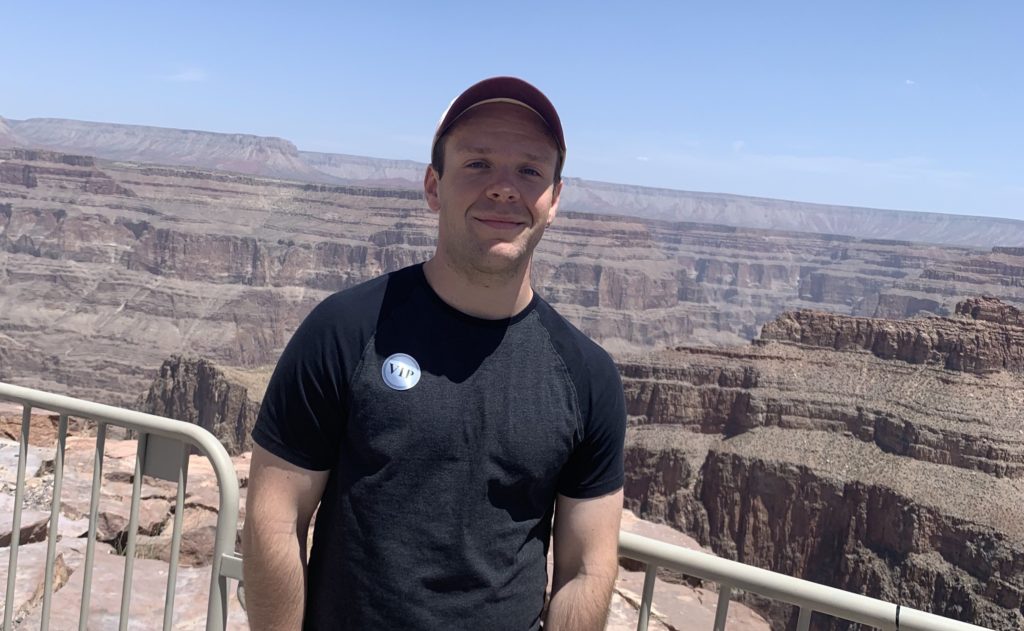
{"x": 490, "y": 297}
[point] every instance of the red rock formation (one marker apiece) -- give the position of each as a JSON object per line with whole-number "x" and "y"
{"x": 991, "y": 310}
{"x": 993, "y": 340}
{"x": 196, "y": 391}
{"x": 899, "y": 481}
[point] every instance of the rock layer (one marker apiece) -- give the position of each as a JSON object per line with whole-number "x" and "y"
{"x": 898, "y": 479}
{"x": 979, "y": 343}
{"x": 108, "y": 269}
{"x": 197, "y": 392}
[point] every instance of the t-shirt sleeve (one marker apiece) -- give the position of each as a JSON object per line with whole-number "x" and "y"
{"x": 596, "y": 465}
{"x": 303, "y": 410}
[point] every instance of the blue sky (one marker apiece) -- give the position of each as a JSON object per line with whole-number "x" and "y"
{"x": 910, "y": 105}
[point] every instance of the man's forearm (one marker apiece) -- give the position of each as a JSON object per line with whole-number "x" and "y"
{"x": 275, "y": 577}
{"x": 581, "y": 604}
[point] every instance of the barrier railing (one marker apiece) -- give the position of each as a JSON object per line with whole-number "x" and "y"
{"x": 810, "y": 597}
{"x": 163, "y": 453}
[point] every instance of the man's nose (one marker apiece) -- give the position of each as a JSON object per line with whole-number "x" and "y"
{"x": 502, "y": 190}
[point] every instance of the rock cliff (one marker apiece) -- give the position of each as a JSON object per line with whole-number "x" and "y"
{"x": 991, "y": 310}
{"x": 879, "y": 474}
{"x": 195, "y": 391}
{"x": 972, "y": 344}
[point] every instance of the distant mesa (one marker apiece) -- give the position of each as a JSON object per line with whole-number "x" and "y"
{"x": 279, "y": 158}
{"x": 7, "y": 137}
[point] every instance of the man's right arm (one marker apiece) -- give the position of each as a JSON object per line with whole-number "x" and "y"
{"x": 280, "y": 501}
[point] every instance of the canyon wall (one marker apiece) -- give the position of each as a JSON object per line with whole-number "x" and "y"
{"x": 895, "y": 475}
{"x": 108, "y": 269}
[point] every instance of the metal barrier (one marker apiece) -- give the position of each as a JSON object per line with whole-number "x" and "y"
{"x": 810, "y": 597}
{"x": 162, "y": 453}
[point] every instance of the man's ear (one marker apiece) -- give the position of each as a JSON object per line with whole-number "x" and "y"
{"x": 556, "y": 196}
{"x": 430, "y": 182}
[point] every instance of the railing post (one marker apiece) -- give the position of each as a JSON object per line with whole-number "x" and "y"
{"x": 19, "y": 493}
{"x": 94, "y": 504}
{"x": 644, "y": 614}
{"x": 133, "y": 527}
{"x": 722, "y": 611}
{"x": 51, "y": 544}
{"x": 803, "y": 623}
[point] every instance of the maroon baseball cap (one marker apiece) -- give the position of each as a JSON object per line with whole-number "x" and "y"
{"x": 503, "y": 90}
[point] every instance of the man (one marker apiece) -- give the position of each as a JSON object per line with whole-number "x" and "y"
{"x": 441, "y": 414}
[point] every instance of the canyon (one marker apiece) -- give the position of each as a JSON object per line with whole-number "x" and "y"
{"x": 836, "y": 398}
{"x": 107, "y": 269}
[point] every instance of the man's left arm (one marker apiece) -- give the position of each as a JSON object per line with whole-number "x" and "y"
{"x": 586, "y": 544}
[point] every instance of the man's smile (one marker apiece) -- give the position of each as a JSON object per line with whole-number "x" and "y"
{"x": 500, "y": 223}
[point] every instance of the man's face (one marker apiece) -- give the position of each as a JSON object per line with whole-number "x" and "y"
{"x": 497, "y": 194}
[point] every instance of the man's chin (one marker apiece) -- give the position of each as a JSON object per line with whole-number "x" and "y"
{"x": 503, "y": 261}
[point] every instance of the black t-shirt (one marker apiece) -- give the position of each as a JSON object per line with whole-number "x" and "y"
{"x": 447, "y": 438}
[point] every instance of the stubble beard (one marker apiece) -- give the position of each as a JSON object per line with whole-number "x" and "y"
{"x": 481, "y": 266}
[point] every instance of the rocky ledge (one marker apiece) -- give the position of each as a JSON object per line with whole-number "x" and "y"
{"x": 813, "y": 454}
{"x": 987, "y": 337}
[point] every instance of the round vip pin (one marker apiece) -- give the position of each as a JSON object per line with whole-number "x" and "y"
{"x": 400, "y": 371}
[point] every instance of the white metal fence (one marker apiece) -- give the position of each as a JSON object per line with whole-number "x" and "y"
{"x": 810, "y": 597}
{"x": 163, "y": 453}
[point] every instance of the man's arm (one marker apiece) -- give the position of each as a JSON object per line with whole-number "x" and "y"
{"x": 280, "y": 502}
{"x": 586, "y": 547}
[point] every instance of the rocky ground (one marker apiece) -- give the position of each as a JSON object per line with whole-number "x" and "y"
{"x": 676, "y": 605}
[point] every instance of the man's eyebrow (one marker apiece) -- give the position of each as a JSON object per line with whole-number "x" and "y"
{"x": 483, "y": 151}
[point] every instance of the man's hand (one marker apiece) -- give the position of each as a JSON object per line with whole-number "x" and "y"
{"x": 280, "y": 502}
{"x": 586, "y": 548}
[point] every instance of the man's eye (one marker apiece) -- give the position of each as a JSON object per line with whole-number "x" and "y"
{"x": 529, "y": 171}
{"x": 477, "y": 164}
